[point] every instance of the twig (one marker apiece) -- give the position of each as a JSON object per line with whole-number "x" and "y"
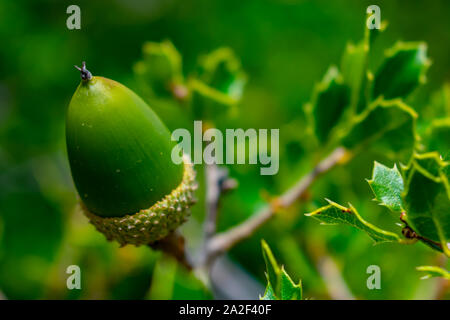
{"x": 222, "y": 242}
{"x": 334, "y": 282}
{"x": 217, "y": 182}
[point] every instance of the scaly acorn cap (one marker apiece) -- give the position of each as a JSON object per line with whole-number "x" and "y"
{"x": 120, "y": 158}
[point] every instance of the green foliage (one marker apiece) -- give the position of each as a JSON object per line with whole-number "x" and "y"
{"x": 41, "y": 232}
{"x": 387, "y": 185}
{"x": 330, "y": 99}
{"x": 279, "y": 284}
{"x": 337, "y": 214}
{"x": 387, "y": 126}
{"x": 402, "y": 71}
{"x": 427, "y": 198}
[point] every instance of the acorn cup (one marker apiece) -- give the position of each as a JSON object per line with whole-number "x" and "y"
{"x": 120, "y": 158}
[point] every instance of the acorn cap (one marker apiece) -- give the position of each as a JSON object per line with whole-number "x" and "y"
{"x": 120, "y": 158}
{"x": 152, "y": 224}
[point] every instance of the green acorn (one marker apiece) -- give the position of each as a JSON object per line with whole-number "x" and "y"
{"x": 120, "y": 158}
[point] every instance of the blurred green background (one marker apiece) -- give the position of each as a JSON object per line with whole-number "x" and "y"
{"x": 285, "y": 47}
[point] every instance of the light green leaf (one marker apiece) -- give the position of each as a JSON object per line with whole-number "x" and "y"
{"x": 160, "y": 69}
{"x": 279, "y": 285}
{"x": 354, "y": 69}
{"x": 433, "y": 271}
{"x": 334, "y": 213}
{"x": 387, "y": 185}
{"x": 386, "y": 126}
{"x": 427, "y": 198}
{"x": 328, "y": 104}
{"x": 402, "y": 71}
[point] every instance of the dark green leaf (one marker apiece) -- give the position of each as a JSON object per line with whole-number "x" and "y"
{"x": 387, "y": 126}
{"x": 329, "y": 101}
{"x": 427, "y": 198}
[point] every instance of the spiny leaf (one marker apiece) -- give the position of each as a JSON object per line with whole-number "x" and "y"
{"x": 336, "y": 214}
{"x": 288, "y": 289}
{"x": 387, "y": 185}
{"x": 387, "y": 126}
{"x": 427, "y": 198}
{"x": 433, "y": 271}
{"x": 279, "y": 285}
{"x": 402, "y": 71}
{"x": 329, "y": 101}
{"x": 160, "y": 68}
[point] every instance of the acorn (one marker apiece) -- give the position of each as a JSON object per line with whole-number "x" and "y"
{"x": 120, "y": 159}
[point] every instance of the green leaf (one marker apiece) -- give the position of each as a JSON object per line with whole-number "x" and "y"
{"x": 288, "y": 289}
{"x": 218, "y": 85}
{"x": 222, "y": 70}
{"x": 284, "y": 288}
{"x": 354, "y": 66}
{"x": 387, "y": 185}
{"x": 334, "y": 213}
{"x": 354, "y": 70}
{"x": 272, "y": 268}
{"x": 329, "y": 101}
{"x": 208, "y": 102}
{"x": 269, "y": 294}
{"x": 427, "y": 198}
{"x": 402, "y": 71}
{"x": 386, "y": 126}
{"x": 433, "y": 271}
{"x": 160, "y": 69}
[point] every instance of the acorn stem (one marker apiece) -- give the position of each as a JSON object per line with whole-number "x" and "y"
{"x": 86, "y": 75}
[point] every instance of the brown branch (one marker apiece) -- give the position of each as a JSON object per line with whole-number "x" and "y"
{"x": 222, "y": 242}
